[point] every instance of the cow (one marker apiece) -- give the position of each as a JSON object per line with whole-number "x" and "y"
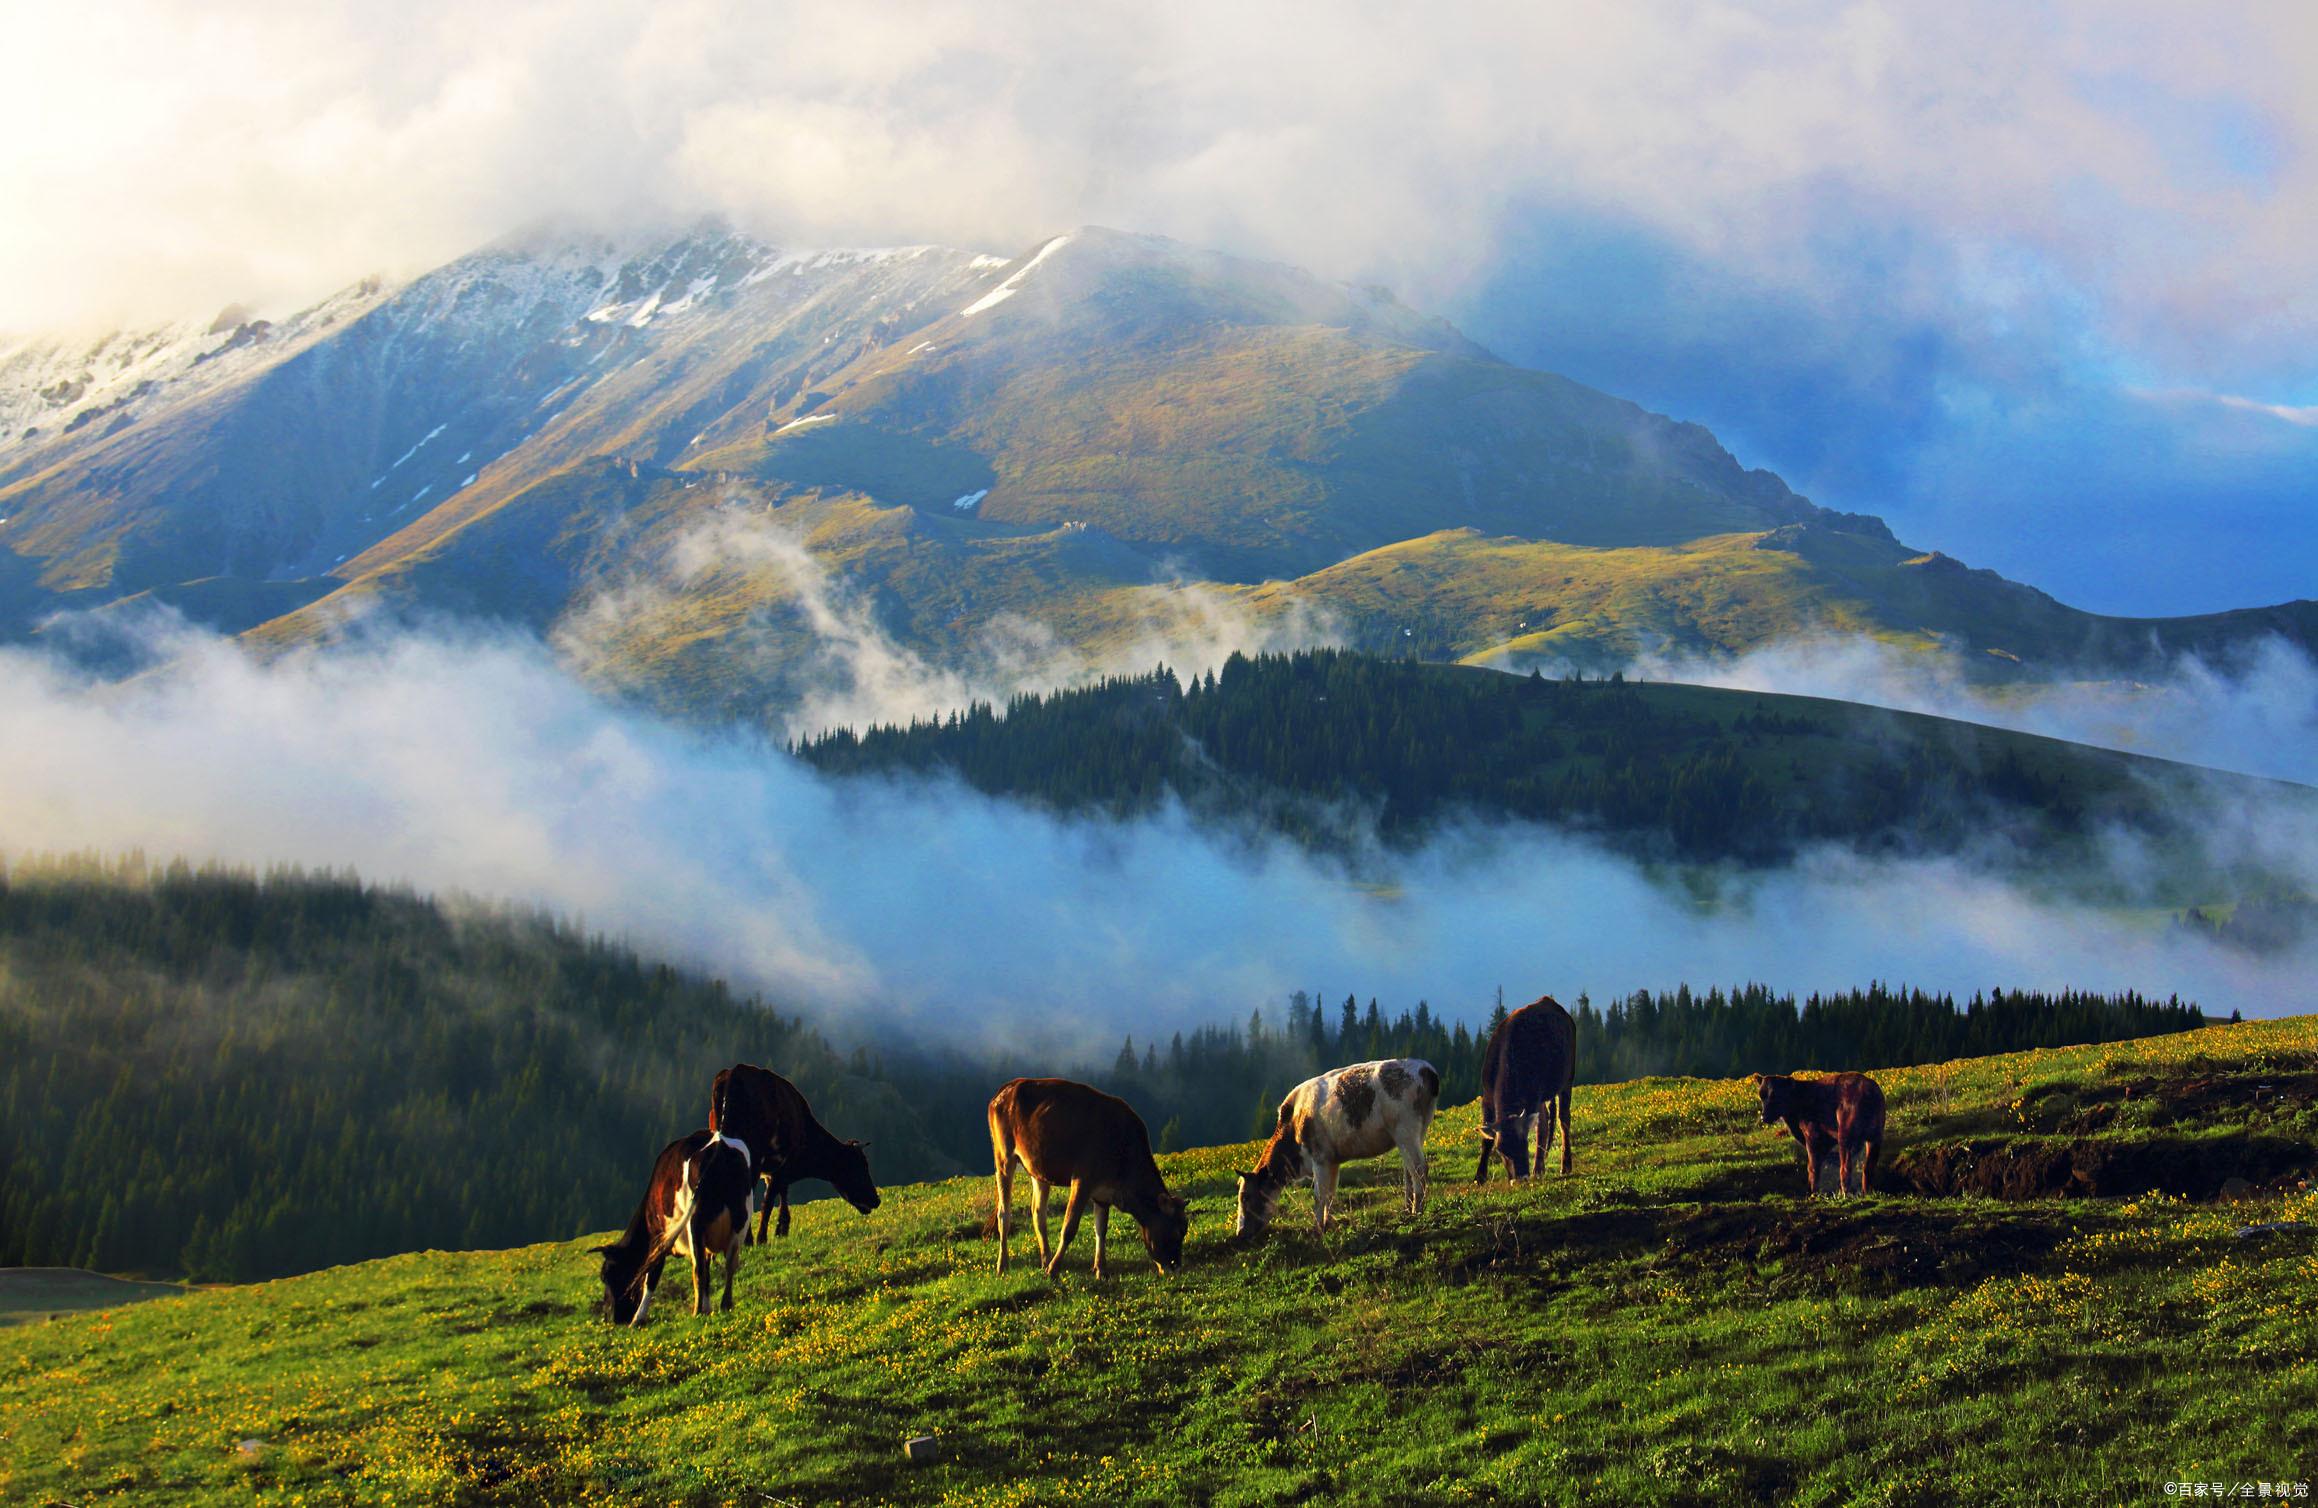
{"x": 765, "y": 1110}
{"x": 1526, "y": 1075}
{"x": 703, "y": 1190}
{"x": 1365, "y": 1110}
{"x": 1065, "y": 1132}
{"x": 1843, "y": 1113}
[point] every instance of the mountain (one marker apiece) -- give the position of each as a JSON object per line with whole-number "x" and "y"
{"x": 628, "y": 445}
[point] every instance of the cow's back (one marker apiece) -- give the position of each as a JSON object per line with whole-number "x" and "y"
{"x": 1065, "y": 1131}
{"x": 1362, "y": 1109}
{"x": 1531, "y": 1058}
{"x": 758, "y": 1106}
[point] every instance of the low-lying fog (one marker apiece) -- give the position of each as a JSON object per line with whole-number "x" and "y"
{"x": 465, "y": 760}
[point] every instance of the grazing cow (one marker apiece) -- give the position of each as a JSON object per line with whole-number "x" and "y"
{"x": 1365, "y": 1110}
{"x": 703, "y": 1189}
{"x": 1842, "y": 1114}
{"x": 765, "y": 1110}
{"x": 1063, "y": 1132}
{"x": 1525, "y": 1078}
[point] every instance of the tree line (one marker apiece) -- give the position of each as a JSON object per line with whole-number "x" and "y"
{"x": 1224, "y": 1083}
{"x": 229, "y": 1075}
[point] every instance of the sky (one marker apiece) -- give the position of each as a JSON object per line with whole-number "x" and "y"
{"x": 2036, "y": 283}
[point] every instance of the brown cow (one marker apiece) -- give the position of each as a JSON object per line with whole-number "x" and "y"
{"x": 1843, "y": 1113}
{"x": 702, "y": 1190}
{"x": 1064, "y": 1132}
{"x": 1525, "y": 1079}
{"x": 765, "y": 1110}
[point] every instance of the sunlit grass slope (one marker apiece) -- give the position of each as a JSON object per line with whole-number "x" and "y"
{"x": 1672, "y": 1324}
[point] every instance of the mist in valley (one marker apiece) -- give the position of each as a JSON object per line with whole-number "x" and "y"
{"x": 460, "y": 759}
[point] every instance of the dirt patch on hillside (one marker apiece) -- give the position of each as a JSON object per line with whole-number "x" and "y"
{"x": 2042, "y": 1168}
{"x": 1878, "y": 1246}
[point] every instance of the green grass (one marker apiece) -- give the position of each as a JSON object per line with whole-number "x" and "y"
{"x": 31, "y": 1294}
{"x": 1672, "y": 1324}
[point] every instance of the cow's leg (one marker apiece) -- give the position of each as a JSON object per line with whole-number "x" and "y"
{"x": 1488, "y": 1148}
{"x": 1811, "y": 1167}
{"x": 732, "y": 1263}
{"x": 1565, "y": 1147}
{"x": 1102, "y": 1234}
{"x": 1005, "y": 1180}
{"x": 781, "y": 1226}
{"x": 1867, "y": 1168}
{"x": 1843, "y": 1168}
{"x": 1079, "y": 1199}
{"x": 1413, "y": 1173}
{"x": 651, "y": 1281}
{"x": 1323, "y": 1194}
{"x": 1038, "y": 1188}
{"x": 764, "y": 1207}
{"x": 702, "y": 1254}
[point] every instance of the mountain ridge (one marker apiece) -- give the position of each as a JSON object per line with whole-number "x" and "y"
{"x": 540, "y": 423}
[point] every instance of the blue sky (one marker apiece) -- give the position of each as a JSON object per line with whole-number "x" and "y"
{"x": 2037, "y": 282}
{"x": 2030, "y": 444}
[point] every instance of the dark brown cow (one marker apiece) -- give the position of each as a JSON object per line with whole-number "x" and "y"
{"x": 1843, "y": 1113}
{"x": 703, "y": 1188}
{"x": 765, "y": 1110}
{"x": 1063, "y": 1132}
{"x": 1525, "y": 1079}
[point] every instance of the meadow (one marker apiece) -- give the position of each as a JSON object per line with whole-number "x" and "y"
{"x": 1672, "y": 1324}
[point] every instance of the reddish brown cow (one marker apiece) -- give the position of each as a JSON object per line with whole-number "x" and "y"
{"x": 765, "y": 1110}
{"x": 1064, "y": 1132}
{"x": 703, "y": 1187}
{"x": 1843, "y": 1113}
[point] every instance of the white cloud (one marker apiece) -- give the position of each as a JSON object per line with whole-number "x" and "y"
{"x": 2156, "y": 160}
{"x": 2257, "y": 714}
{"x": 478, "y": 763}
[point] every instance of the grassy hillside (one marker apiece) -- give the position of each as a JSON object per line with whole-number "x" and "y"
{"x": 1672, "y": 1324}
{"x": 1465, "y": 594}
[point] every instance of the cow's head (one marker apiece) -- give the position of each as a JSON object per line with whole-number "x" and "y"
{"x": 849, "y": 1174}
{"x": 1259, "y": 1187}
{"x": 1508, "y": 1139}
{"x": 1776, "y": 1091}
{"x": 623, "y": 1277}
{"x": 1164, "y": 1230}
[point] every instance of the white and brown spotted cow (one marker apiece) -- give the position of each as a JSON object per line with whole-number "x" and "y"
{"x": 703, "y": 1190}
{"x": 1365, "y": 1110}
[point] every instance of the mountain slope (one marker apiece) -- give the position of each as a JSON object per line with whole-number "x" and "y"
{"x": 544, "y": 429}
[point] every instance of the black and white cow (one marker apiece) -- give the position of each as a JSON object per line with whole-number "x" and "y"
{"x": 1525, "y": 1077}
{"x": 703, "y": 1190}
{"x": 1365, "y": 1110}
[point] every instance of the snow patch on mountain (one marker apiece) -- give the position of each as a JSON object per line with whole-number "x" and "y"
{"x": 1006, "y": 290}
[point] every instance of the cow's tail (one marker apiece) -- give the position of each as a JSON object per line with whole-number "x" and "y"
{"x": 717, "y": 1095}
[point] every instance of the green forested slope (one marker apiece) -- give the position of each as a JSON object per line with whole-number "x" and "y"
{"x": 226, "y": 1076}
{"x": 1319, "y": 743}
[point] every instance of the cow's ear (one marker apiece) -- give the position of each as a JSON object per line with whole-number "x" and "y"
{"x": 601, "y": 1251}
